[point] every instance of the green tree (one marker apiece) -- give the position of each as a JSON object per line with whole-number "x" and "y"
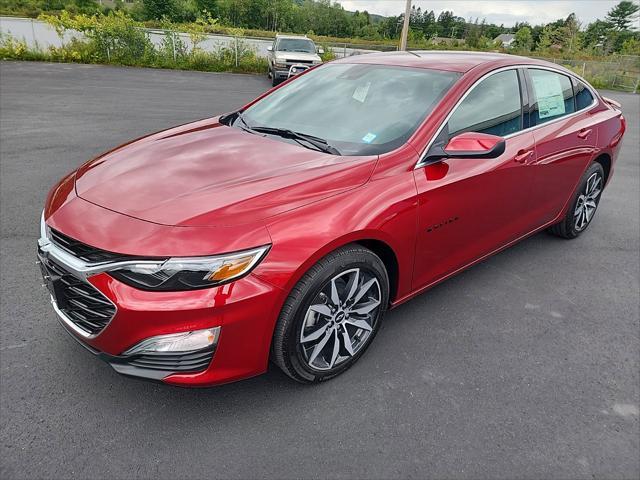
{"x": 210, "y": 6}
{"x": 631, "y": 46}
{"x": 47, "y": 5}
{"x": 623, "y": 15}
{"x": 446, "y": 24}
{"x": 472, "y": 36}
{"x": 157, "y": 9}
{"x": 547, "y": 38}
{"x": 523, "y": 39}
{"x": 82, "y": 6}
{"x": 571, "y": 32}
{"x": 596, "y": 33}
{"x": 86, "y": 4}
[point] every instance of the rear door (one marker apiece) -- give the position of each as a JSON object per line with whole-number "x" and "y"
{"x": 565, "y": 135}
{"x": 468, "y": 208}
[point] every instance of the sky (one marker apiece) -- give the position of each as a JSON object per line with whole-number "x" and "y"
{"x": 506, "y": 12}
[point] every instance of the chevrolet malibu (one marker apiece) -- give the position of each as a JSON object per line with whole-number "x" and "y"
{"x": 284, "y": 230}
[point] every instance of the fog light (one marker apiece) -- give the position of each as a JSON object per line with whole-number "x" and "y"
{"x": 177, "y": 342}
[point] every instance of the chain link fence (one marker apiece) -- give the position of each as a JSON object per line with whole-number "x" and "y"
{"x": 621, "y": 72}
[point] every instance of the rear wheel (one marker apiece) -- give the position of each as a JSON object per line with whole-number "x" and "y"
{"x": 331, "y": 315}
{"x": 584, "y": 205}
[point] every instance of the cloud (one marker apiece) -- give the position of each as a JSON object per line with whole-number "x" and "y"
{"x": 497, "y": 11}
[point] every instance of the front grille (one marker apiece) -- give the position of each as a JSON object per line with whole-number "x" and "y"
{"x": 79, "y": 301}
{"x": 173, "y": 362}
{"x": 294, "y": 62}
{"x": 83, "y": 251}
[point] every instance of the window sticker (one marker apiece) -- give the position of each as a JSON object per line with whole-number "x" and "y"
{"x": 549, "y": 95}
{"x": 369, "y": 137}
{"x": 360, "y": 93}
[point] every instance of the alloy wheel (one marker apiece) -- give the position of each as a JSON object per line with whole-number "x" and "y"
{"x": 587, "y": 202}
{"x": 341, "y": 319}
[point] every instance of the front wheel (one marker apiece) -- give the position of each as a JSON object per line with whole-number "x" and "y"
{"x": 274, "y": 78}
{"x": 584, "y": 205}
{"x": 332, "y": 315}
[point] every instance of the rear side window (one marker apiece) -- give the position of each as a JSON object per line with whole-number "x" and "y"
{"x": 552, "y": 94}
{"x": 493, "y": 106}
{"x": 584, "y": 98}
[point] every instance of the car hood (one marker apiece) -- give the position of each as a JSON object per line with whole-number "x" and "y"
{"x": 297, "y": 56}
{"x": 208, "y": 174}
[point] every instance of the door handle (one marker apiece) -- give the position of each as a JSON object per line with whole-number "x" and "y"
{"x": 523, "y": 156}
{"x": 584, "y": 133}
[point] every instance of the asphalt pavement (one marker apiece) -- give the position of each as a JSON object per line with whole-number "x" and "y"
{"x": 525, "y": 366}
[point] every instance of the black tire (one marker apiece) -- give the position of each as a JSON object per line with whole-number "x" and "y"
{"x": 274, "y": 79}
{"x": 570, "y": 226}
{"x": 287, "y": 350}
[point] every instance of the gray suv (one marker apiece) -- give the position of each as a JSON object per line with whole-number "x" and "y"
{"x": 288, "y": 50}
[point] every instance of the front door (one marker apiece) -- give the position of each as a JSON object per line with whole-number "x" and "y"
{"x": 467, "y": 208}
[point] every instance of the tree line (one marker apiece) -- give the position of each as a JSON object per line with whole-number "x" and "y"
{"x": 616, "y": 33}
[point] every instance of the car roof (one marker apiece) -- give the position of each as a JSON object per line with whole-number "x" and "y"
{"x": 455, "y": 61}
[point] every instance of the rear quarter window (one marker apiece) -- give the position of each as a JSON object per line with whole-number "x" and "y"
{"x": 583, "y": 95}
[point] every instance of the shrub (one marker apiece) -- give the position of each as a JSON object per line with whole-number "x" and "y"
{"x": 115, "y": 37}
{"x": 118, "y": 39}
{"x": 11, "y": 48}
{"x": 328, "y": 54}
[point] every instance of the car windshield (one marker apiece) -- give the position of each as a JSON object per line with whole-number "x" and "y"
{"x": 358, "y": 109}
{"x": 296, "y": 45}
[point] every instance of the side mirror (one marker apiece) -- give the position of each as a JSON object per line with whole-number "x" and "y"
{"x": 270, "y": 48}
{"x": 475, "y": 145}
{"x": 320, "y": 50}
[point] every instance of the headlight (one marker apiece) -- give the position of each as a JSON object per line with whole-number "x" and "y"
{"x": 44, "y": 231}
{"x": 189, "y": 273}
{"x": 280, "y": 64}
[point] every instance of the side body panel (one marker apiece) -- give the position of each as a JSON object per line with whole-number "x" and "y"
{"x": 562, "y": 157}
{"x": 611, "y": 128}
{"x": 469, "y": 207}
{"x": 383, "y": 210}
{"x": 564, "y": 149}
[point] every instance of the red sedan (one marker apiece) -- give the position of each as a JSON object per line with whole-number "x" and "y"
{"x": 284, "y": 230}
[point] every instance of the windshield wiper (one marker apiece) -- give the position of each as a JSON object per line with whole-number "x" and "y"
{"x": 319, "y": 143}
{"x": 247, "y": 127}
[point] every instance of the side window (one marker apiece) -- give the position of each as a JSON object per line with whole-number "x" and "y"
{"x": 493, "y": 106}
{"x": 552, "y": 96}
{"x": 584, "y": 98}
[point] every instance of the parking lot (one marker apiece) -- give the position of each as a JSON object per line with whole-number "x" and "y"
{"x": 525, "y": 366}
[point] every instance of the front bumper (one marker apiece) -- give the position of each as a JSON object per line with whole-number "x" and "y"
{"x": 281, "y": 73}
{"x": 286, "y": 72}
{"x": 150, "y": 366}
{"x": 244, "y": 311}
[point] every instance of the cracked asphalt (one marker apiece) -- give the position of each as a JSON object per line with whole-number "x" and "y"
{"x": 525, "y": 366}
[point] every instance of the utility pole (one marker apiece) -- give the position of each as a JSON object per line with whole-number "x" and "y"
{"x": 405, "y": 26}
